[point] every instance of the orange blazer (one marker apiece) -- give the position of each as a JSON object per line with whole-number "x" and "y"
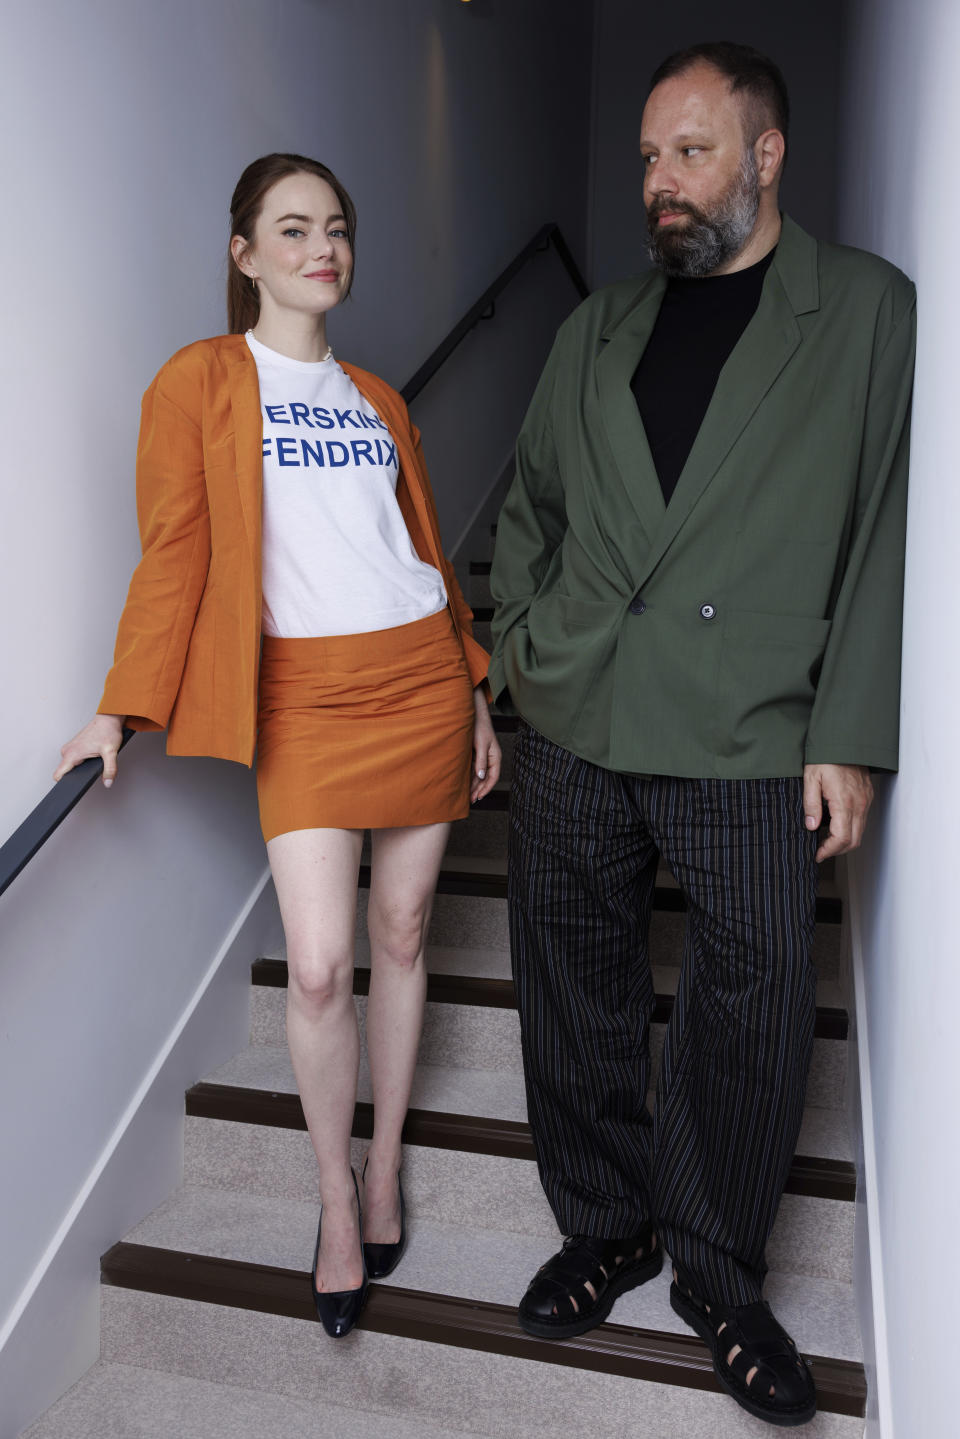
{"x": 188, "y": 644}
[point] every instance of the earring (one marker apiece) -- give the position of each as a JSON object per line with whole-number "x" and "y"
{"x": 253, "y": 285}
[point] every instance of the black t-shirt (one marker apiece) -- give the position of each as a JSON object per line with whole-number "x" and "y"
{"x": 699, "y": 323}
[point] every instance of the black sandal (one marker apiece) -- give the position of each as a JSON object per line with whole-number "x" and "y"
{"x": 576, "y": 1288}
{"x": 752, "y": 1354}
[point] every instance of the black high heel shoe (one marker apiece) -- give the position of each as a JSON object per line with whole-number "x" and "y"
{"x": 382, "y": 1259}
{"x": 339, "y": 1310}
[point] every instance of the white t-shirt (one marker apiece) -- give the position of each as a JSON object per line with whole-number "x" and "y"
{"x": 337, "y": 555}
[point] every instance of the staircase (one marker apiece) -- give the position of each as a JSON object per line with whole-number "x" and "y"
{"x": 208, "y": 1327}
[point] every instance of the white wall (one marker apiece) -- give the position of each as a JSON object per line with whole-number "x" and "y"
{"x": 459, "y": 129}
{"x": 107, "y": 940}
{"x": 631, "y": 40}
{"x": 900, "y": 198}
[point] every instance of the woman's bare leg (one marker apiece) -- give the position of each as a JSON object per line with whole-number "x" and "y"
{"x": 315, "y": 873}
{"x": 406, "y": 863}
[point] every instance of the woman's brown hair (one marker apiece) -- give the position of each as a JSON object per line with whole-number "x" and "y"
{"x": 243, "y": 303}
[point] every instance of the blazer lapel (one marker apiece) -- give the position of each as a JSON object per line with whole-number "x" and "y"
{"x": 622, "y": 343}
{"x": 248, "y": 439}
{"x": 768, "y": 342}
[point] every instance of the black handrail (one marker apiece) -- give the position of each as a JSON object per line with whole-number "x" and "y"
{"x": 48, "y": 816}
{"x": 57, "y": 803}
{"x": 546, "y": 236}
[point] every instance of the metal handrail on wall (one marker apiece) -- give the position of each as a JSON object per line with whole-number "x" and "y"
{"x": 485, "y": 307}
{"x": 49, "y": 814}
{"x": 57, "y": 803}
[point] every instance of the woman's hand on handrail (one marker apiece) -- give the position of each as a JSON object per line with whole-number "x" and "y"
{"x": 102, "y": 737}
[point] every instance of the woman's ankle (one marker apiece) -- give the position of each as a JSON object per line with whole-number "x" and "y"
{"x": 339, "y": 1194}
{"x": 380, "y": 1173}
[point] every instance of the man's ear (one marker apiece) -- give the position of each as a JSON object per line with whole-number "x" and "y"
{"x": 769, "y": 150}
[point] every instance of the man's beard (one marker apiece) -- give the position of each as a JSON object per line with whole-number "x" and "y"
{"x": 711, "y": 237}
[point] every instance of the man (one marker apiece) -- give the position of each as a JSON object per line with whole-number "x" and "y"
{"x": 698, "y": 579}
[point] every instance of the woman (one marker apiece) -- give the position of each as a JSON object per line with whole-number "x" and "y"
{"x": 284, "y": 504}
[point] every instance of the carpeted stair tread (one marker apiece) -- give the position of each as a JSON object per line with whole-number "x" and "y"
{"x": 471, "y": 1263}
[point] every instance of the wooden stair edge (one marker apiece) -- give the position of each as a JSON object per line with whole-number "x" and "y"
{"x": 645, "y": 1354}
{"x": 490, "y": 992}
{"x": 810, "y": 1175}
{"x": 487, "y": 884}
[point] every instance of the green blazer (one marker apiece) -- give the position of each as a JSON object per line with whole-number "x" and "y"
{"x": 753, "y": 624}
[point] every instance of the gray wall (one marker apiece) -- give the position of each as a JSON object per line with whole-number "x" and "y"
{"x": 631, "y": 39}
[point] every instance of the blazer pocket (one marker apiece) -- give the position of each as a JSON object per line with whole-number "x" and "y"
{"x": 558, "y": 612}
{"x": 762, "y": 628}
{"x": 567, "y": 635}
{"x": 767, "y": 680}
{"x": 556, "y": 659}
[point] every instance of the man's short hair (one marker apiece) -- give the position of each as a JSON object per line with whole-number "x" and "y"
{"x": 768, "y": 104}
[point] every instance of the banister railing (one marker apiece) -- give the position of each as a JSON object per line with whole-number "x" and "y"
{"x": 57, "y": 803}
{"x": 49, "y": 814}
{"x": 484, "y": 308}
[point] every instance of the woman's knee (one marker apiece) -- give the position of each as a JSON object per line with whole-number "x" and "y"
{"x": 397, "y": 938}
{"x": 319, "y": 981}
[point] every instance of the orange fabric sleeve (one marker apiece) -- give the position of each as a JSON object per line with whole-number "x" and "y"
{"x": 166, "y": 587}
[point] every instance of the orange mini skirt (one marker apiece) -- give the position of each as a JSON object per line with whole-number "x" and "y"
{"x": 369, "y": 731}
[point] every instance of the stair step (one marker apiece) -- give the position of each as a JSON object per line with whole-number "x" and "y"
{"x": 479, "y": 921}
{"x": 228, "y": 1100}
{"x": 446, "y": 1363}
{"x": 498, "y": 991}
{"x": 479, "y": 595}
{"x": 479, "y": 1036}
{"x": 467, "y": 921}
{"x": 120, "y": 1401}
{"x": 486, "y": 875}
{"x": 485, "y": 830}
{"x": 446, "y": 963}
{"x": 457, "y": 1260}
{"x": 245, "y": 1129}
{"x": 456, "y": 1286}
{"x": 812, "y": 1235}
{"x": 490, "y": 1095}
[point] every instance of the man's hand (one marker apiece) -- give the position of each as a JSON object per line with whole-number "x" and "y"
{"x": 847, "y": 791}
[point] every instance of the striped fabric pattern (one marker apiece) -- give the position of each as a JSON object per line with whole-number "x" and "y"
{"x": 711, "y": 1164}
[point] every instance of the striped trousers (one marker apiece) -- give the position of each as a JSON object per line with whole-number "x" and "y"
{"x": 709, "y": 1165}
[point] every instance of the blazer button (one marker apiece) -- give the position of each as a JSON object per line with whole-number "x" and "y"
{"x": 637, "y": 605}
{"x": 707, "y": 612}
